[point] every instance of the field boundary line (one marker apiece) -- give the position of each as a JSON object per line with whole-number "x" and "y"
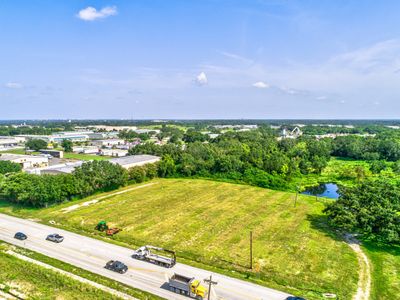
{"x": 94, "y": 201}
{"x": 73, "y": 276}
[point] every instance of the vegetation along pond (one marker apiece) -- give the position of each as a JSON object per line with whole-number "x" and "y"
{"x": 329, "y": 190}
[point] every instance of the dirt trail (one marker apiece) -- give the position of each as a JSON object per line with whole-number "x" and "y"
{"x": 94, "y": 201}
{"x": 73, "y": 276}
{"x": 364, "y": 281}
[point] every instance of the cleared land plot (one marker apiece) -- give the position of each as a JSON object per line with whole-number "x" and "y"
{"x": 209, "y": 222}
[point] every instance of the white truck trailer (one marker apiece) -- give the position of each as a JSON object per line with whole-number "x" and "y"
{"x": 144, "y": 253}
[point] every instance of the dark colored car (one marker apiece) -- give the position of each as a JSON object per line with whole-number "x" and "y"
{"x": 20, "y": 236}
{"x": 294, "y": 298}
{"x": 116, "y": 266}
{"x": 55, "y": 237}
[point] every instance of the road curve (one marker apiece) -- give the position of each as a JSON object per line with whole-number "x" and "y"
{"x": 91, "y": 254}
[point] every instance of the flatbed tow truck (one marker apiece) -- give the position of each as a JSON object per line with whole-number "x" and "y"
{"x": 144, "y": 253}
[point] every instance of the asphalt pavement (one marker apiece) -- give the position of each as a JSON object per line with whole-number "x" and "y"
{"x": 92, "y": 254}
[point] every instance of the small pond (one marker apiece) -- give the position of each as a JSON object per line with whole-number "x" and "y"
{"x": 328, "y": 190}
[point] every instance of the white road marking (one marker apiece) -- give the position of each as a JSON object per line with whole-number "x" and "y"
{"x": 142, "y": 275}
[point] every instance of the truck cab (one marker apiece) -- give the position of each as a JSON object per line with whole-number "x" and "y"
{"x": 197, "y": 289}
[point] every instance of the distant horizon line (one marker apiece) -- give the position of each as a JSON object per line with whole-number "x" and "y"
{"x": 202, "y": 119}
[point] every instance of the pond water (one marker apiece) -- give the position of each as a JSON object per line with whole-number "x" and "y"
{"x": 329, "y": 190}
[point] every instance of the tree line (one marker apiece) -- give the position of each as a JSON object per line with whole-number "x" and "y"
{"x": 371, "y": 208}
{"x": 94, "y": 176}
{"x": 255, "y": 157}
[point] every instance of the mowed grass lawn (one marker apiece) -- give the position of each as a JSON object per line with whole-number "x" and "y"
{"x": 36, "y": 282}
{"x": 385, "y": 271}
{"x": 82, "y": 156}
{"x": 208, "y": 223}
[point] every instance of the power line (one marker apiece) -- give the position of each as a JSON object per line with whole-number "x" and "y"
{"x": 210, "y": 283}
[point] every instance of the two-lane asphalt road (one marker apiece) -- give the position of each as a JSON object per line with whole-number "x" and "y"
{"x": 91, "y": 254}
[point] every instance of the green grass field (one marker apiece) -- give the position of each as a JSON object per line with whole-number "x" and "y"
{"x": 385, "y": 271}
{"x": 36, "y": 282}
{"x": 208, "y": 223}
{"x": 82, "y": 156}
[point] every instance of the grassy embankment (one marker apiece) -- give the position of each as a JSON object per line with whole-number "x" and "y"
{"x": 208, "y": 223}
{"x": 40, "y": 283}
{"x": 385, "y": 262}
{"x": 76, "y": 271}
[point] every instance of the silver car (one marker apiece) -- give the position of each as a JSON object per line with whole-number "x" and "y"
{"x": 55, "y": 237}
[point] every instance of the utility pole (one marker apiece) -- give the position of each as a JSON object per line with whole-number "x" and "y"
{"x": 297, "y": 193}
{"x": 251, "y": 250}
{"x": 210, "y": 283}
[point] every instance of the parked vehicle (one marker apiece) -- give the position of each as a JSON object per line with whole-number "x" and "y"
{"x": 116, "y": 266}
{"x": 144, "y": 253}
{"x": 101, "y": 226}
{"x": 294, "y": 298}
{"x": 55, "y": 237}
{"x": 188, "y": 286}
{"x": 20, "y": 236}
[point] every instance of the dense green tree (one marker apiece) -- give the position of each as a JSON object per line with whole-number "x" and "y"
{"x": 167, "y": 166}
{"x": 67, "y": 145}
{"x": 192, "y": 136}
{"x": 137, "y": 174}
{"x": 371, "y": 208}
{"x": 377, "y": 166}
{"x": 36, "y": 144}
{"x": 9, "y": 167}
{"x": 99, "y": 175}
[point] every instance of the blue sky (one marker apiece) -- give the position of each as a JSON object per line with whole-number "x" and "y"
{"x": 199, "y": 59}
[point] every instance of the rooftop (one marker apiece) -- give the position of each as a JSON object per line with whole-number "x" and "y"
{"x": 132, "y": 159}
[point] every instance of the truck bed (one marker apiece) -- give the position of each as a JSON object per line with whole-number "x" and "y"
{"x": 179, "y": 281}
{"x": 160, "y": 258}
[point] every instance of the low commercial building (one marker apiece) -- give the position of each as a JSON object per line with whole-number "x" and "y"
{"x": 135, "y": 160}
{"x": 142, "y": 131}
{"x": 108, "y": 143}
{"x": 26, "y": 161}
{"x": 65, "y": 168}
{"x": 8, "y": 143}
{"x": 114, "y": 152}
{"x": 54, "y": 153}
{"x": 103, "y": 135}
{"x": 113, "y": 128}
{"x": 86, "y": 149}
{"x": 74, "y": 136}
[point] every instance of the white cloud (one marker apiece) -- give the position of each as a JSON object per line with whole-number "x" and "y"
{"x": 261, "y": 85}
{"x": 13, "y": 85}
{"x": 321, "y": 97}
{"x": 90, "y": 13}
{"x": 201, "y": 79}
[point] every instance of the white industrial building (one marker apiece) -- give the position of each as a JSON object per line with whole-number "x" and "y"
{"x": 135, "y": 160}
{"x": 7, "y": 142}
{"x": 74, "y": 136}
{"x": 114, "y": 152}
{"x": 26, "y": 161}
{"x": 65, "y": 168}
{"x": 108, "y": 142}
{"x": 85, "y": 149}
